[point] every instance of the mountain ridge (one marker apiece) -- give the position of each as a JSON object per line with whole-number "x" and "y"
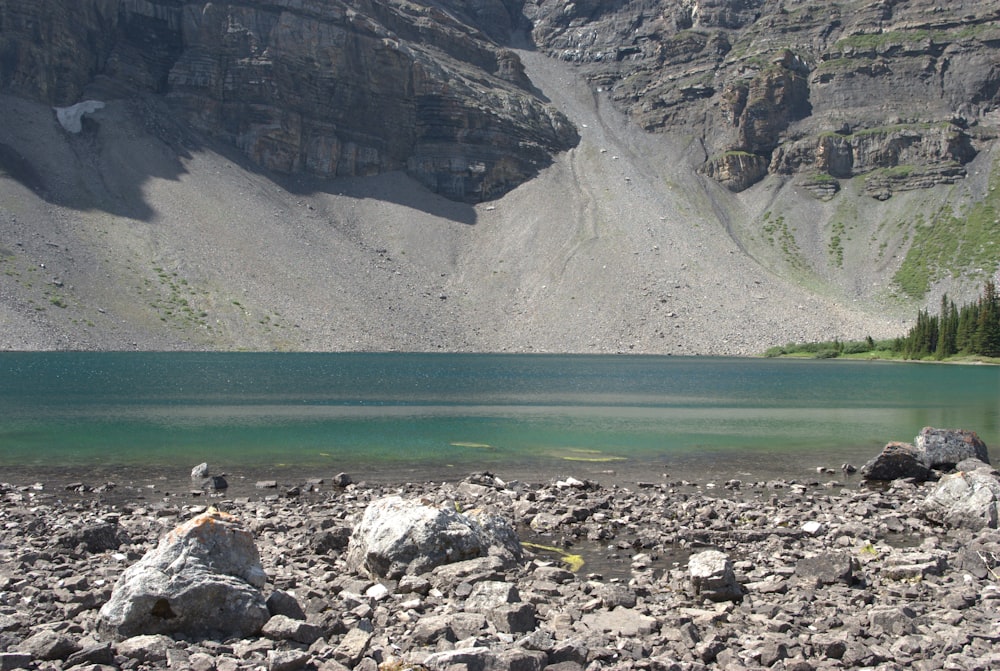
{"x": 149, "y": 231}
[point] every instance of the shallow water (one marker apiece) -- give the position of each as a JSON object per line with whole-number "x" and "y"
{"x": 385, "y": 417}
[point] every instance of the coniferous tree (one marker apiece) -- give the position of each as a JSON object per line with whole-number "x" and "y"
{"x": 967, "y": 321}
{"x": 947, "y": 329}
{"x": 987, "y": 339}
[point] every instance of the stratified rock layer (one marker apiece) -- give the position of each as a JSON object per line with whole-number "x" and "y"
{"x": 325, "y": 88}
{"x": 895, "y": 91}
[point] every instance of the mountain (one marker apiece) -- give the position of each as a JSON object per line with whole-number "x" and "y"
{"x": 492, "y": 175}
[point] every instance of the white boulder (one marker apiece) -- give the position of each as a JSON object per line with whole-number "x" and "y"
{"x": 399, "y": 537}
{"x": 203, "y": 580}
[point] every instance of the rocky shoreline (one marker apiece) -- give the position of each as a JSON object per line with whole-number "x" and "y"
{"x": 780, "y": 575}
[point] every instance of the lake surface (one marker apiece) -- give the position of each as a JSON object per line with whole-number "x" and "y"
{"x": 393, "y": 417}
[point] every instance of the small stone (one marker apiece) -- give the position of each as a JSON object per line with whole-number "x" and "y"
{"x": 14, "y": 660}
{"x": 199, "y": 472}
{"x": 216, "y": 483}
{"x": 353, "y": 646}
{"x": 284, "y": 628}
{"x": 48, "y": 645}
{"x": 287, "y": 660}
{"x": 146, "y": 649}
{"x": 812, "y": 528}
{"x": 283, "y": 603}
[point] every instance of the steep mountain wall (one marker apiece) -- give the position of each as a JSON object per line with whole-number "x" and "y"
{"x": 714, "y": 176}
{"x": 323, "y": 87}
{"x": 796, "y": 87}
{"x": 333, "y": 88}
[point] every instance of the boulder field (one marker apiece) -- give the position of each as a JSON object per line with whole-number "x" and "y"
{"x": 477, "y": 575}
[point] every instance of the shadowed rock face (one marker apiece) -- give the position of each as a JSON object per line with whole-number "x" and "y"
{"x": 326, "y": 88}
{"x": 332, "y": 88}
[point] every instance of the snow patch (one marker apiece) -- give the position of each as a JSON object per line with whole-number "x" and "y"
{"x": 71, "y": 118}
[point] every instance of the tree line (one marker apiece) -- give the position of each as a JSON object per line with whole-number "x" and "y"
{"x": 970, "y": 330}
{"x": 973, "y": 329}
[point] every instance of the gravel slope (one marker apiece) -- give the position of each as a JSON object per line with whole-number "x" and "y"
{"x": 138, "y": 234}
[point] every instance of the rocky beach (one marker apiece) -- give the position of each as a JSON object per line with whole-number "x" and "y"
{"x": 840, "y": 571}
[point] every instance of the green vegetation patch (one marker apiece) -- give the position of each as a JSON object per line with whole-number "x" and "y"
{"x": 953, "y": 245}
{"x": 177, "y": 301}
{"x": 778, "y": 234}
{"x": 836, "y": 244}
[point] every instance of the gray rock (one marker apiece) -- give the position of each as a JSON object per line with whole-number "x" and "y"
{"x": 92, "y": 654}
{"x": 146, "y": 649}
{"x": 620, "y": 622}
{"x": 514, "y": 659}
{"x": 712, "y": 576}
{"x": 14, "y": 660}
{"x": 514, "y": 618}
{"x": 283, "y": 603}
{"x": 342, "y": 480}
{"x": 469, "y": 659}
{"x": 353, "y": 646}
{"x": 490, "y": 594}
{"x": 826, "y": 569}
{"x": 943, "y": 448}
{"x": 284, "y": 628}
{"x": 287, "y": 660}
{"x": 397, "y": 537}
{"x": 215, "y": 483}
{"x": 204, "y": 578}
{"x": 100, "y": 537}
{"x": 896, "y": 461}
{"x": 894, "y": 620}
{"x": 199, "y": 472}
{"x": 967, "y": 499}
{"x": 48, "y": 645}
{"x": 432, "y": 628}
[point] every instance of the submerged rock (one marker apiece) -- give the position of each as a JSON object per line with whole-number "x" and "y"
{"x": 203, "y": 579}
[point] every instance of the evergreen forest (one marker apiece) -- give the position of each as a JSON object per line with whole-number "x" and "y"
{"x": 972, "y": 330}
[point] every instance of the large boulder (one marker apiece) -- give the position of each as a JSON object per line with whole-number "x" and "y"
{"x": 969, "y": 499}
{"x": 943, "y": 448}
{"x": 203, "y": 580}
{"x": 933, "y": 449}
{"x": 397, "y": 537}
{"x": 896, "y": 461}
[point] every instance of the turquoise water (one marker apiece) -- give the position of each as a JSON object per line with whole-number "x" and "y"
{"x": 441, "y": 416}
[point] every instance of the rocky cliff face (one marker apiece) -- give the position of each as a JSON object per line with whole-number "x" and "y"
{"x": 904, "y": 93}
{"x": 323, "y": 87}
{"x": 823, "y": 90}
